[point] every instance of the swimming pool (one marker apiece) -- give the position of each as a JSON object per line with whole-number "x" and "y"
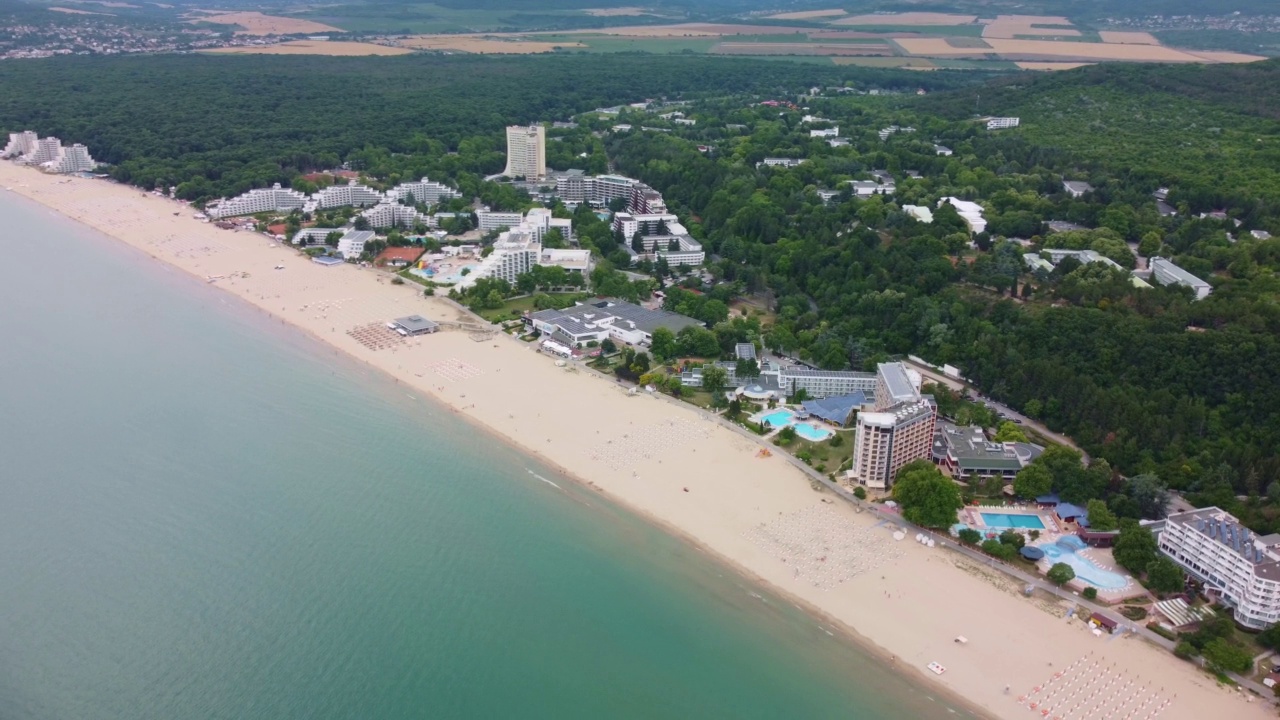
{"x": 811, "y": 432}
{"x": 1064, "y": 551}
{"x": 1007, "y": 520}
{"x": 778, "y": 418}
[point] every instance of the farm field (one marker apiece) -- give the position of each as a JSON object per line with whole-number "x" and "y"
{"x": 1036, "y": 41}
{"x": 1015, "y": 26}
{"x": 807, "y": 14}
{"x": 1051, "y": 65}
{"x": 315, "y": 47}
{"x": 782, "y": 48}
{"x": 484, "y": 45}
{"x": 255, "y": 23}
{"x": 911, "y": 18}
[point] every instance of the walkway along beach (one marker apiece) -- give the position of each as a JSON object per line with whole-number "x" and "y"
{"x": 760, "y": 515}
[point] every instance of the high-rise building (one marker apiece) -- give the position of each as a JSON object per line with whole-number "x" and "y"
{"x": 898, "y": 430}
{"x": 1239, "y": 569}
{"x": 70, "y": 160}
{"x": 526, "y": 151}
{"x": 22, "y": 143}
{"x": 46, "y": 149}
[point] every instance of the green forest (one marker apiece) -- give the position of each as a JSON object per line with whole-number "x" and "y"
{"x": 1149, "y": 381}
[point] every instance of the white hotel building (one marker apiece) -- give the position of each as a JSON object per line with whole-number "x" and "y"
{"x": 48, "y": 153}
{"x": 824, "y": 383}
{"x": 1239, "y": 568}
{"x": 1166, "y": 273}
{"x": 897, "y": 431}
{"x": 272, "y": 199}
{"x": 526, "y": 151}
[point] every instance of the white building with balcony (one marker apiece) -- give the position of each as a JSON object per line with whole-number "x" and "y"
{"x": 272, "y": 199}
{"x": 70, "y": 160}
{"x": 1239, "y": 568}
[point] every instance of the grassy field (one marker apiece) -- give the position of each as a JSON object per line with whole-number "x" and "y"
{"x": 614, "y": 43}
{"x": 930, "y": 30}
{"x": 517, "y": 307}
{"x": 425, "y": 18}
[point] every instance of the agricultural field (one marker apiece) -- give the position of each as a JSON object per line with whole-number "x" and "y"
{"x": 315, "y": 47}
{"x": 952, "y": 41}
{"x": 255, "y": 23}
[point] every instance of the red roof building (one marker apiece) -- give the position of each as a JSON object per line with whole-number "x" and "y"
{"x": 398, "y": 256}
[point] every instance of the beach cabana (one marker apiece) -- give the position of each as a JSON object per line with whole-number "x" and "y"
{"x": 1031, "y": 552}
{"x": 1104, "y": 622}
{"x": 1068, "y": 512}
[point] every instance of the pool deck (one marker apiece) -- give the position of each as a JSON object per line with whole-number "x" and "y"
{"x": 971, "y": 515}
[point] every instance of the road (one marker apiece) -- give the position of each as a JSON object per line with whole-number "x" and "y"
{"x": 1000, "y": 408}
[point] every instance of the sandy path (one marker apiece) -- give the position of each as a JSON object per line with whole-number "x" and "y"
{"x": 684, "y": 472}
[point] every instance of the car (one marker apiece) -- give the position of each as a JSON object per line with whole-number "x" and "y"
{"x": 1017, "y": 421}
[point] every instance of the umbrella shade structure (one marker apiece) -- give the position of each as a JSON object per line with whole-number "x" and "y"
{"x": 1031, "y": 552}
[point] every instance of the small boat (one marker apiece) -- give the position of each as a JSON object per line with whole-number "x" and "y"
{"x": 937, "y": 668}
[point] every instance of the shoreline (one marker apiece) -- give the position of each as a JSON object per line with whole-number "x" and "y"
{"x": 715, "y": 500}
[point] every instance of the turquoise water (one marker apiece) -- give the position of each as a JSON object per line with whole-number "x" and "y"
{"x": 1064, "y": 550}
{"x": 1007, "y": 520}
{"x": 206, "y": 515}
{"x": 778, "y": 418}
{"x": 812, "y": 432}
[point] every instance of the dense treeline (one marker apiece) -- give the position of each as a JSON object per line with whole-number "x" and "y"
{"x": 228, "y": 124}
{"x": 1145, "y": 379}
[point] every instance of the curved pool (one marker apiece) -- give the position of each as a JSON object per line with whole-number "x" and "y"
{"x": 1066, "y": 550}
{"x": 812, "y": 432}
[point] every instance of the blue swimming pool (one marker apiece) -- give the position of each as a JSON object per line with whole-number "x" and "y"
{"x": 1006, "y": 520}
{"x": 1064, "y": 551}
{"x": 812, "y": 432}
{"x": 778, "y": 418}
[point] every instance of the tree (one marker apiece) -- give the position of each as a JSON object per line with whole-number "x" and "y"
{"x": 637, "y": 243}
{"x": 1135, "y": 547}
{"x": 860, "y": 493}
{"x": 663, "y": 344}
{"x": 787, "y": 435}
{"x": 1150, "y": 495}
{"x": 1013, "y": 539}
{"x": 1060, "y": 574}
{"x": 927, "y": 497}
{"x": 999, "y": 550}
{"x": 1032, "y": 481}
{"x": 362, "y": 222}
{"x": 714, "y": 378}
{"x": 747, "y": 368}
{"x": 1090, "y": 593}
{"x": 1101, "y": 518}
{"x": 1163, "y": 575}
{"x": 1221, "y": 655}
{"x": 734, "y": 411}
{"x": 969, "y": 536}
{"x": 641, "y": 364}
{"x": 607, "y": 346}
{"x": 1010, "y": 432}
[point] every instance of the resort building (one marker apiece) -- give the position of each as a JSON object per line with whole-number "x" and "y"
{"x": 1076, "y": 188}
{"x": 970, "y": 212}
{"x": 45, "y": 150}
{"x": 574, "y": 187}
{"x": 1239, "y": 569}
{"x": 867, "y": 188}
{"x": 272, "y": 199}
{"x": 526, "y": 151}
{"x": 1165, "y": 272}
{"x": 387, "y": 214}
{"x": 344, "y": 195}
{"x": 489, "y": 220}
{"x": 351, "y": 246}
{"x": 831, "y": 132}
{"x": 1057, "y": 255}
{"x": 422, "y": 191}
{"x": 413, "y": 325}
{"x": 919, "y": 212}
{"x": 599, "y": 319}
{"x": 942, "y": 150}
{"x": 836, "y": 142}
{"x": 824, "y": 383}
{"x": 897, "y": 431}
{"x": 70, "y": 160}
{"x": 780, "y": 162}
{"x": 1002, "y": 123}
{"x": 23, "y": 143}
{"x": 515, "y": 252}
{"x": 677, "y": 250}
{"x": 965, "y": 452}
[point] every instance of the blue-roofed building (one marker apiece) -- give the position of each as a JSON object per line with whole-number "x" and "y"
{"x": 1050, "y": 499}
{"x": 1068, "y": 511}
{"x": 837, "y": 409}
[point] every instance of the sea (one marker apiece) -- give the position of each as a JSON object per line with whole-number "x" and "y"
{"x": 207, "y": 514}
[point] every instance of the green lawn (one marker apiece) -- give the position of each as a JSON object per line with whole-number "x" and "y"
{"x": 513, "y": 309}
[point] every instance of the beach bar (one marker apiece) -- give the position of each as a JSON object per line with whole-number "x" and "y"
{"x": 411, "y": 325}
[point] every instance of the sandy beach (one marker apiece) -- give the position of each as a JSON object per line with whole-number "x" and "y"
{"x": 685, "y": 472}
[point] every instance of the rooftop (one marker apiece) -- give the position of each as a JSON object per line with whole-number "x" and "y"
{"x": 971, "y": 448}
{"x": 1217, "y": 524}
{"x": 744, "y": 351}
{"x": 415, "y": 324}
{"x": 595, "y": 314}
{"x": 897, "y": 382}
{"x": 403, "y": 254}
